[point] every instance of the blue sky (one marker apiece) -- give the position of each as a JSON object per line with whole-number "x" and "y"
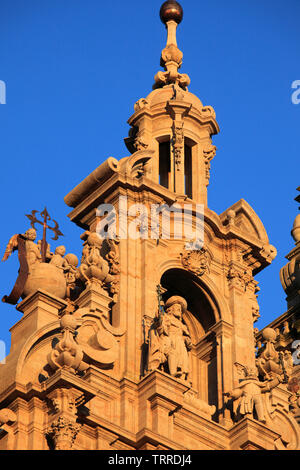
{"x": 73, "y": 71}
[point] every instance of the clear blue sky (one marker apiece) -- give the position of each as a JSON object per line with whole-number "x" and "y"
{"x": 73, "y": 71}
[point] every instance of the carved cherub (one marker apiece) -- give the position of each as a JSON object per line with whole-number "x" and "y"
{"x": 68, "y": 264}
{"x": 58, "y": 259}
{"x": 93, "y": 265}
{"x": 33, "y": 254}
{"x": 71, "y": 272}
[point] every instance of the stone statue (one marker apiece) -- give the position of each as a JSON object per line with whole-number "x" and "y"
{"x": 71, "y": 273}
{"x": 169, "y": 340}
{"x": 58, "y": 258}
{"x": 250, "y": 393}
{"x": 269, "y": 361}
{"x": 94, "y": 268}
{"x": 32, "y": 251}
{"x": 68, "y": 264}
{"x": 57, "y": 274}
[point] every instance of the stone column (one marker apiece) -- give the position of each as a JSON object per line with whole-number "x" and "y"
{"x": 223, "y": 331}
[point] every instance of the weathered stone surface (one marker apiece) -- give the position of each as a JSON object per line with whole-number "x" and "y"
{"x": 148, "y": 342}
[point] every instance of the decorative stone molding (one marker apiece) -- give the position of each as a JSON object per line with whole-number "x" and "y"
{"x": 66, "y": 400}
{"x": 64, "y": 403}
{"x": 7, "y": 419}
{"x": 242, "y": 278}
{"x": 63, "y": 432}
{"x": 141, "y": 104}
{"x": 271, "y": 363}
{"x": 165, "y": 78}
{"x": 113, "y": 256}
{"x": 140, "y": 143}
{"x": 98, "y": 339}
{"x": 7, "y": 416}
{"x": 171, "y": 60}
{"x": 94, "y": 268}
{"x": 255, "y": 312}
{"x": 67, "y": 354}
{"x": 178, "y": 143}
{"x": 196, "y": 261}
{"x": 294, "y": 399}
{"x": 190, "y": 398}
{"x": 209, "y": 152}
{"x": 268, "y": 252}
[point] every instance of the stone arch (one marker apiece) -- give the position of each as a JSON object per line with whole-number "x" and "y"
{"x": 202, "y": 313}
{"x": 205, "y": 283}
{"x": 205, "y": 309}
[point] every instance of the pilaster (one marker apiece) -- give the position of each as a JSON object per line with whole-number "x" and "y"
{"x": 39, "y": 309}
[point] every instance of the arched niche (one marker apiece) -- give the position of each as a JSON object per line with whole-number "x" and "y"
{"x": 202, "y": 314}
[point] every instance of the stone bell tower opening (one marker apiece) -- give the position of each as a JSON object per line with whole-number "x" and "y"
{"x": 188, "y": 171}
{"x": 165, "y": 164}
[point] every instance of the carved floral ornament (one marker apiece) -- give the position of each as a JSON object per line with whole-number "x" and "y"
{"x": 209, "y": 152}
{"x": 87, "y": 337}
{"x": 67, "y": 354}
{"x": 178, "y": 143}
{"x": 242, "y": 278}
{"x": 196, "y": 261}
{"x": 65, "y": 403}
{"x": 64, "y": 431}
{"x": 271, "y": 363}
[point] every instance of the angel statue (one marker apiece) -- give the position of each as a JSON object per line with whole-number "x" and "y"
{"x": 29, "y": 256}
{"x": 54, "y": 273}
{"x": 33, "y": 254}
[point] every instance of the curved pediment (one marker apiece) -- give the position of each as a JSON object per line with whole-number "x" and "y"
{"x": 242, "y": 216}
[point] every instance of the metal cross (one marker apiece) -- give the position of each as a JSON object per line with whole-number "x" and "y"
{"x": 44, "y": 223}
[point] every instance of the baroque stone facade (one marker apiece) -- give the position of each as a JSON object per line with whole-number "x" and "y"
{"x": 148, "y": 342}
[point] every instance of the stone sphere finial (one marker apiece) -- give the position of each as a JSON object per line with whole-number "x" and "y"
{"x": 296, "y": 230}
{"x": 269, "y": 334}
{"x": 171, "y": 10}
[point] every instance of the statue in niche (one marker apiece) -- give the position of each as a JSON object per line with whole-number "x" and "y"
{"x": 170, "y": 341}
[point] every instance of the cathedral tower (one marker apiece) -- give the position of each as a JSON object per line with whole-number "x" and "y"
{"x": 149, "y": 342}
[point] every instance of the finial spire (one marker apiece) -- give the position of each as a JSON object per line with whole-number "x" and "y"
{"x": 171, "y": 14}
{"x": 296, "y": 226}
